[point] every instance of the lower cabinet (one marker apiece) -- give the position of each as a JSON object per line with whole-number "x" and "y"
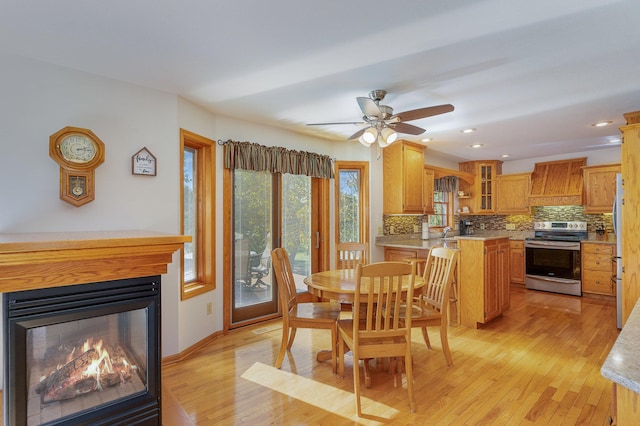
{"x": 598, "y": 268}
{"x": 518, "y": 261}
{"x": 401, "y": 255}
{"x": 484, "y": 280}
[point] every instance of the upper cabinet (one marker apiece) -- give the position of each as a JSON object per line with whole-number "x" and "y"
{"x": 481, "y": 196}
{"x": 600, "y": 187}
{"x": 513, "y": 193}
{"x": 403, "y": 176}
{"x": 427, "y": 190}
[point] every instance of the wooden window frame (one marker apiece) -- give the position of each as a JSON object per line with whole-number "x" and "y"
{"x": 449, "y": 217}
{"x": 363, "y": 168}
{"x": 205, "y": 226}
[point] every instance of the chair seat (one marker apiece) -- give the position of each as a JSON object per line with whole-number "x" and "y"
{"x": 345, "y": 328}
{"x": 316, "y": 311}
{"x": 418, "y": 312}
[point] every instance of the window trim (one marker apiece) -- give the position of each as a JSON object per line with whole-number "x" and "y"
{"x": 205, "y": 227}
{"x": 363, "y": 168}
{"x": 449, "y": 203}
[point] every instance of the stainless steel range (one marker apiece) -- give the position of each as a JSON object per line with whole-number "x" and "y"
{"x": 553, "y": 257}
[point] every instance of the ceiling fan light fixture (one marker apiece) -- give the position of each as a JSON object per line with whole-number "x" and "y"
{"x": 387, "y": 137}
{"x": 370, "y": 135}
{"x": 362, "y": 140}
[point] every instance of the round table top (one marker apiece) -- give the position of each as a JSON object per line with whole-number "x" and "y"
{"x": 340, "y": 284}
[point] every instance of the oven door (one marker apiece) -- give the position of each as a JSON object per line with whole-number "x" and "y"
{"x": 553, "y": 266}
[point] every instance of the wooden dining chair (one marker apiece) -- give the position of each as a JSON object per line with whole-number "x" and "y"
{"x": 322, "y": 315}
{"x": 430, "y": 307}
{"x": 370, "y": 334}
{"x": 348, "y": 255}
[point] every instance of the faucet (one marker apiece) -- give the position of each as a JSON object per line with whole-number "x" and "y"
{"x": 446, "y": 230}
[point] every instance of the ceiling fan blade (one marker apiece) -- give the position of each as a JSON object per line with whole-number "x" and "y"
{"x": 424, "y": 112}
{"x": 331, "y": 124}
{"x": 357, "y": 134}
{"x": 369, "y": 107}
{"x": 408, "y": 128}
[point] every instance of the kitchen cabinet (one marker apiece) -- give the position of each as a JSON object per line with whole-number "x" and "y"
{"x": 402, "y": 173}
{"x": 504, "y": 267}
{"x": 512, "y": 193}
{"x": 484, "y": 279}
{"x": 482, "y": 193}
{"x": 598, "y": 268}
{"x": 630, "y": 155}
{"x": 427, "y": 190}
{"x": 599, "y": 187}
{"x": 400, "y": 255}
{"x": 517, "y": 261}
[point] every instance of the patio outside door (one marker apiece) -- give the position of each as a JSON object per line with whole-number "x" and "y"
{"x": 265, "y": 207}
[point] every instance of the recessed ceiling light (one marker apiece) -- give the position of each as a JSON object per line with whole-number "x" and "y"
{"x": 602, "y": 123}
{"x": 426, "y": 140}
{"x": 505, "y": 155}
{"x": 476, "y": 145}
{"x": 468, "y": 130}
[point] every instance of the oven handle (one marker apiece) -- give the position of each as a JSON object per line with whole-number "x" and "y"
{"x": 557, "y": 245}
{"x": 553, "y": 279}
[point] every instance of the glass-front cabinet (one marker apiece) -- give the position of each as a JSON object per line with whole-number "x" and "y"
{"x": 479, "y": 198}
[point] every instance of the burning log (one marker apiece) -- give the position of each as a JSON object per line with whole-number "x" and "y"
{"x": 94, "y": 369}
{"x": 60, "y": 377}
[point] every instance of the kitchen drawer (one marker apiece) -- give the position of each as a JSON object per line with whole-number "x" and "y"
{"x": 597, "y": 262}
{"x": 598, "y": 248}
{"x": 516, "y": 244}
{"x": 399, "y": 255}
{"x": 597, "y": 282}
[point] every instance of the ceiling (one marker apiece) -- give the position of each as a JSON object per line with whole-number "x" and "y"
{"x": 530, "y": 76}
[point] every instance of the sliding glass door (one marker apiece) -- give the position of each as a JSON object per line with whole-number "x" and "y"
{"x": 269, "y": 210}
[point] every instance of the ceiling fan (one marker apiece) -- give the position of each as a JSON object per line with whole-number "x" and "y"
{"x": 382, "y": 124}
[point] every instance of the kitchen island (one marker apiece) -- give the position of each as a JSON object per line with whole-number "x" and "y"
{"x": 622, "y": 367}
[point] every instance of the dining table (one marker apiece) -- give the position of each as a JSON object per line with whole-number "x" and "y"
{"x": 340, "y": 285}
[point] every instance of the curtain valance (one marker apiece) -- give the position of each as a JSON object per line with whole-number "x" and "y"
{"x": 446, "y": 184}
{"x": 275, "y": 159}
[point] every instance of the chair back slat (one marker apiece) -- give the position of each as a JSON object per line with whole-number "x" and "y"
{"x": 384, "y": 287}
{"x": 286, "y": 283}
{"x": 351, "y": 254}
{"x": 438, "y": 276}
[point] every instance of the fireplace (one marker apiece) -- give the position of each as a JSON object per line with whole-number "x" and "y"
{"x": 67, "y": 297}
{"x": 83, "y": 354}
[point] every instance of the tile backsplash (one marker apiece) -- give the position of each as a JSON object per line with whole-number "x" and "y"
{"x": 410, "y": 224}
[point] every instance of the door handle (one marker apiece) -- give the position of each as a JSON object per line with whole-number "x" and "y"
{"x": 317, "y": 239}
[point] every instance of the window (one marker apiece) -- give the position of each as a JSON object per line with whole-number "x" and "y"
{"x": 352, "y": 200}
{"x": 197, "y": 213}
{"x": 442, "y": 210}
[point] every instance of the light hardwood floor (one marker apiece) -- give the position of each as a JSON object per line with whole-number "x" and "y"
{"x": 538, "y": 364}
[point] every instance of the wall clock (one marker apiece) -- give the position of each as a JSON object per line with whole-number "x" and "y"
{"x": 78, "y": 152}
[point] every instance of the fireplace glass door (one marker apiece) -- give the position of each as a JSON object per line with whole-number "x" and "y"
{"x": 84, "y": 354}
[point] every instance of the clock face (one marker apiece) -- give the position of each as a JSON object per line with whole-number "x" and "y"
{"x": 77, "y": 148}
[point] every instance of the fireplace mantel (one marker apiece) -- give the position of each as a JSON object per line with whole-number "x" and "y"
{"x": 52, "y": 259}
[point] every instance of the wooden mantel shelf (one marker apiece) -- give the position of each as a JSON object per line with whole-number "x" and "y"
{"x": 41, "y": 260}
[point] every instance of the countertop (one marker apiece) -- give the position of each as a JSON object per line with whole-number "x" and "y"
{"x": 622, "y": 365}
{"x": 416, "y": 243}
{"x": 413, "y": 241}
